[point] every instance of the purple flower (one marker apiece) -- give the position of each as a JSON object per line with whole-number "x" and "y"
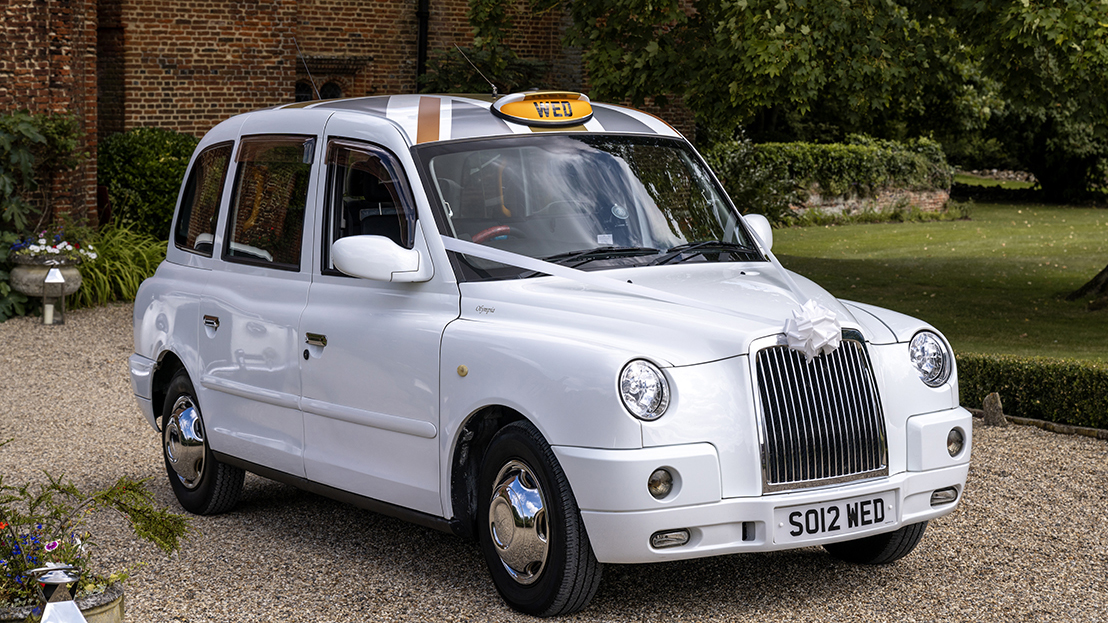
{"x": 52, "y": 545}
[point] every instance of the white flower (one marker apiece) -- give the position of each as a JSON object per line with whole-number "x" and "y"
{"x": 52, "y": 250}
{"x": 42, "y": 241}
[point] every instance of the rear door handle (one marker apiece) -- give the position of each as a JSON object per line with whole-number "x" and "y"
{"x": 316, "y": 339}
{"x": 212, "y": 322}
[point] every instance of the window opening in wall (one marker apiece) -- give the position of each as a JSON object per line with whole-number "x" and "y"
{"x": 330, "y": 91}
{"x": 304, "y": 92}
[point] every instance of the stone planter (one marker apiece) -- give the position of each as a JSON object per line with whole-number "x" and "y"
{"x": 28, "y": 274}
{"x": 105, "y": 607}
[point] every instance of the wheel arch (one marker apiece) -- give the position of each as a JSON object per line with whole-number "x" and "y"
{"x": 471, "y": 444}
{"x": 168, "y": 365}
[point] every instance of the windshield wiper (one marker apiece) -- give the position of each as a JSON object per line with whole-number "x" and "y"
{"x": 692, "y": 249}
{"x": 599, "y": 253}
{"x": 573, "y": 259}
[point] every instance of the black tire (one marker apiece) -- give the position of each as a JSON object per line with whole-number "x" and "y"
{"x": 216, "y": 486}
{"x": 879, "y": 549}
{"x": 566, "y": 578}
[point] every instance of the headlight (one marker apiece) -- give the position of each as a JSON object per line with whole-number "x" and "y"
{"x": 644, "y": 390}
{"x": 931, "y": 358}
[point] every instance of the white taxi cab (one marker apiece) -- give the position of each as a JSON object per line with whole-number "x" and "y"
{"x": 538, "y": 322}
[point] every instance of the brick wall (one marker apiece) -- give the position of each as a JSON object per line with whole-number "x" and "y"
{"x": 884, "y": 201}
{"x": 47, "y": 62}
{"x": 189, "y": 64}
{"x": 110, "y": 67}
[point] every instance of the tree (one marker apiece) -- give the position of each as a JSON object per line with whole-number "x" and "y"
{"x": 1036, "y": 66}
{"x": 490, "y": 59}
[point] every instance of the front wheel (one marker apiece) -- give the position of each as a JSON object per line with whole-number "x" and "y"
{"x": 879, "y": 549}
{"x": 530, "y": 528}
{"x": 202, "y": 484}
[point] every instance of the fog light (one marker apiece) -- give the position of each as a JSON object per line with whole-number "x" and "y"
{"x": 944, "y": 496}
{"x": 669, "y": 538}
{"x": 660, "y": 483}
{"x": 955, "y": 441}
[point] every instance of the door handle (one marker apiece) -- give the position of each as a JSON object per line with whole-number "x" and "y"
{"x": 212, "y": 322}
{"x": 316, "y": 339}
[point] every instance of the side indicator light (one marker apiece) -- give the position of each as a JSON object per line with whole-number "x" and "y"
{"x": 669, "y": 538}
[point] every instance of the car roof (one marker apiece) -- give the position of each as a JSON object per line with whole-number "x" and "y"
{"x": 429, "y": 118}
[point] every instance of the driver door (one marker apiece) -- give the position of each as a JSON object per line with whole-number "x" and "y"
{"x": 370, "y": 371}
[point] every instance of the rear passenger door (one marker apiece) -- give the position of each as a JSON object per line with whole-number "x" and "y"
{"x": 251, "y": 306}
{"x": 370, "y": 366}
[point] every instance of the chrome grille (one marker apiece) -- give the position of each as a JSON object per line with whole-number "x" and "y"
{"x": 822, "y": 421}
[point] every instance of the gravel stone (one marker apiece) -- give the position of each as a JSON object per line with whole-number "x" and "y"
{"x": 1029, "y": 541}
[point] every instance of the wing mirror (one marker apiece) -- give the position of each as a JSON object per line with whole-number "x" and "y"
{"x": 380, "y": 259}
{"x": 761, "y": 227}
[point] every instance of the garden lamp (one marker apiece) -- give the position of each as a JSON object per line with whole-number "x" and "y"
{"x": 60, "y": 607}
{"x": 53, "y": 297}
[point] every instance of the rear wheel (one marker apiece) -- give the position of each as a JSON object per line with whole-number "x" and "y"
{"x": 202, "y": 484}
{"x": 879, "y": 549}
{"x": 530, "y": 528}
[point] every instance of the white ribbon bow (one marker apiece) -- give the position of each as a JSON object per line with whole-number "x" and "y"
{"x": 813, "y": 329}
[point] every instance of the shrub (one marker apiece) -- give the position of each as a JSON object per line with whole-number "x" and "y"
{"x": 33, "y": 149}
{"x": 1057, "y": 390}
{"x": 767, "y": 178}
{"x": 124, "y": 259}
{"x": 142, "y": 169}
{"x": 755, "y": 183}
{"x": 12, "y": 303}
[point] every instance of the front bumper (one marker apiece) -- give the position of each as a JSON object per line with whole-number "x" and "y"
{"x": 620, "y": 516}
{"x": 718, "y": 528}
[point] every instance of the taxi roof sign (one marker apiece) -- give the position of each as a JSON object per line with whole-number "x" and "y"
{"x": 544, "y": 108}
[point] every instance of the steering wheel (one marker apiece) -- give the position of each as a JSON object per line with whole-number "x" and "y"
{"x": 491, "y": 232}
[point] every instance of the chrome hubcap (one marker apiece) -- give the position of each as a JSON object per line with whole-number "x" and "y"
{"x": 184, "y": 442}
{"x": 517, "y": 522}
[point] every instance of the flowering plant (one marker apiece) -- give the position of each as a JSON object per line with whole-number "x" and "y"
{"x": 45, "y": 527}
{"x": 51, "y": 245}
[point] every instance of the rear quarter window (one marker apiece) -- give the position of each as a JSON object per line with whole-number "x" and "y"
{"x": 196, "y": 220}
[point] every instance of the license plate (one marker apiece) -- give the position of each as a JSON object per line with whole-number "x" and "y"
{"x": 811, "y": 521}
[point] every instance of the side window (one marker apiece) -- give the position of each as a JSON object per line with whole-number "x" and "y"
{"x": 266, "y": 222}
{"x": 366, "y": 195}
{"x": 195, "y": 228}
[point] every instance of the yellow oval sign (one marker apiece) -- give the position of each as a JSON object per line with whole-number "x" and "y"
{"x": 544, "y": 108}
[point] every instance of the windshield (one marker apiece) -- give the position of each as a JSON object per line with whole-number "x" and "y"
{"x": 589, "y": 201}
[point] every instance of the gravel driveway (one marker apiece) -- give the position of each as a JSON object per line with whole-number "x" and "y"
{"x": 1028, "y": 543}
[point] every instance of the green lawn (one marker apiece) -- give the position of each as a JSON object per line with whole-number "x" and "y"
{"x": 993, "y": 284}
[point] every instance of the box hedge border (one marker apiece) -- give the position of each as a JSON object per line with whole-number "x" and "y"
{"x": 1065, "y": 391}
{"x": 769, "y": 177}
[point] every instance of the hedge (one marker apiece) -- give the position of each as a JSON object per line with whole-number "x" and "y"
{"x": 1057, "y": 390}
{"x": 768, "y": 177}
{"x": 142, "y": 169}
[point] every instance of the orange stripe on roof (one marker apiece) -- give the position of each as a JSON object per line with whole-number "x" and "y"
{"x": 427, "y": 128}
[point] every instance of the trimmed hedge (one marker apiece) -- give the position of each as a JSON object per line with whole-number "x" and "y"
{"x": 767, "y": 178}
{"x": 142, "y": 169}
{"x": 1057, "y": 390}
